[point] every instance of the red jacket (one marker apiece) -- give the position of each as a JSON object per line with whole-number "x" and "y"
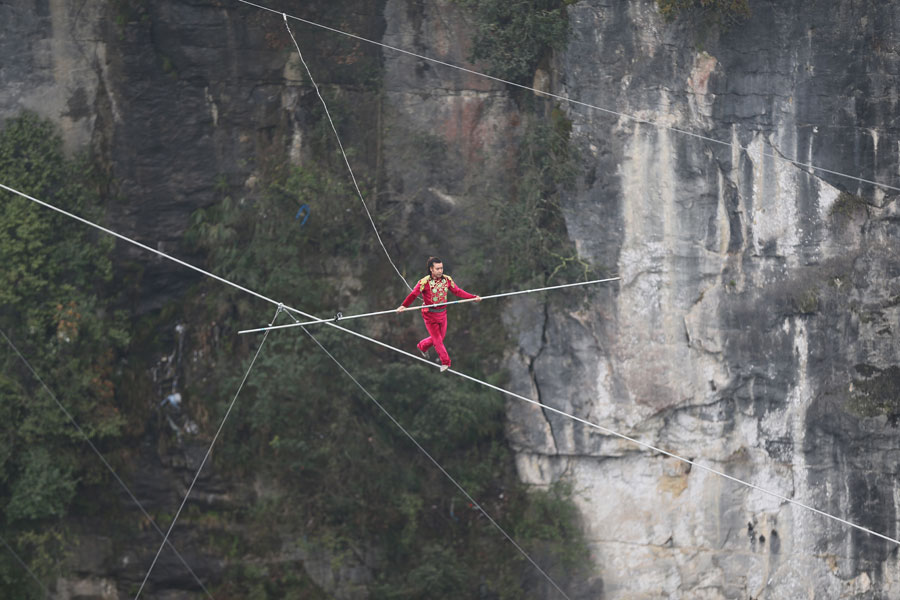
{"x": 435, "y": 292}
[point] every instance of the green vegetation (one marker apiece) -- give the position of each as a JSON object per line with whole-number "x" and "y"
{"x": 512, "y": 37}
{"x": 54, "y": 277}
{"x": 262, "y": 582}
{"x": 806, "y": 302}
{"x": 341, "y": 480}
{"x": 718, "y": 13}
{"x": 127, "y": 12}
{"x": 334, "y": 476}
{"x": 846, "y": 205}
{"x": 525, "y": 230}
{"x": 876, "y": 392}
{"x": 168, "y": 67}
{"x": 342, "y": 475}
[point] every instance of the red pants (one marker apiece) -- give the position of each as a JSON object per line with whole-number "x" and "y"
{"x": 436, "y": 324}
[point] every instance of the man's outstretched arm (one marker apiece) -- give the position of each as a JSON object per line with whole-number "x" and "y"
{"x": 461, "y": 293}
{"x": 409, "y": 299}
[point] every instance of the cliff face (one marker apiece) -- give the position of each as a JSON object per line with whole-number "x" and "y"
{"x": 754, "y": 329}
{"x": 54, "y": 61}
{"x": 757, "y": 306}
{"x": 181, "y": 103}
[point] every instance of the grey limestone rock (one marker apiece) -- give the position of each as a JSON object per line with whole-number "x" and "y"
{"x": 755, "y": 326}
{"x": 756, "y": 312}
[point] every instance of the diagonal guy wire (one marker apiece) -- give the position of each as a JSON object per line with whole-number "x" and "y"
{"x": 460, "y": 374}
{"x": 406, "y": 283}
{"x": 24, "y": 566}
{"x": 659, "y": 125}
{"x": 205, "y": 457}
{"x": 344, "y": 154}
{"x": 434, "y": 461}
{"x": 102, "y": 459}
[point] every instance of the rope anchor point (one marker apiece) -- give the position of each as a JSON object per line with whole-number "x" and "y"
{"x": 278, "y": 311}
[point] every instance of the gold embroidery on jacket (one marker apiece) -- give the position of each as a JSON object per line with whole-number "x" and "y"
{"x": 438, "y": 290}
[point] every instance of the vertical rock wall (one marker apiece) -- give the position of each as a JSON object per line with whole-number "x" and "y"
{"x": 52, "y": 61}
{"x": 754, "y": 293}
{"x": 754, "y": 329}
{"x": 447, "y": 134}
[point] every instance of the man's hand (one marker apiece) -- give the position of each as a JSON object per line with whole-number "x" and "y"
{"x": 401, "y": 308}
{"x": 477, "y": 298}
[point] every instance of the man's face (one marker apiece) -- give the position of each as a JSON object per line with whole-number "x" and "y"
{"x": 437, "y": 270}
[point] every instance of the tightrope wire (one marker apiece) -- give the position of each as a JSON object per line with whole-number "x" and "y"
{"x": 616, "y": 434}
{"x": 433, "y": 460}
{"x": 431, "y": 364}
{"x": 572, "y": 101}
{"x": 340, "y": 317}
{"x": 103, "y": 460}
{"x": 406, "y": 283}
{"x": 603, "y": 429}
{"x": 776, "y": 156}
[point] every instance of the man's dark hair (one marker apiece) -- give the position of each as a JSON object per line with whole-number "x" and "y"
{"x": 431, "y": 261}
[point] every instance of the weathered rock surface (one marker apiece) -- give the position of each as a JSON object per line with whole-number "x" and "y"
{"x": 53, "y": 62}
{"x": 738, "y": 332}
{"x": 755, "y": 326}
{"x": 446, "y": 133}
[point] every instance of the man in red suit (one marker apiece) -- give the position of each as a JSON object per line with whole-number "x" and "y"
{"x": 434, "y": 288}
